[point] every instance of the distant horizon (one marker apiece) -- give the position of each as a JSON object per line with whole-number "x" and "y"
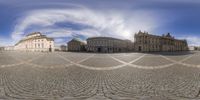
{"x": 65, "y": 19}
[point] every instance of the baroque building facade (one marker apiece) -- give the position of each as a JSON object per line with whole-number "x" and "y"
{"x": 108, "y": 45}
{"x": 35, "y": 42}
{"x": 145, "y": 42}
{"x": 76, "y": 45}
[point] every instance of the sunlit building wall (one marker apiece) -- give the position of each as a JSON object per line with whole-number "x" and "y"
{"x": 36, "y": 42}
{"x": 145, "y": 42}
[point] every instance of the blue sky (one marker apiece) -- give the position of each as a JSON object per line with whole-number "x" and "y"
{"x": 65, "y": 19}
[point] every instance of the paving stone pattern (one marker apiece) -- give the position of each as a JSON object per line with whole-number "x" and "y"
{"x": 91, "y": 76}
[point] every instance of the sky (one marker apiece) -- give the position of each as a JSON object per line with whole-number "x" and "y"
{"x": 67, "y": 19}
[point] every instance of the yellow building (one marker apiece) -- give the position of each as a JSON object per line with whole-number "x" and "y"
{"x": 76, "y": 45}
{"x": 35, "y": 42}
{"x": 145, "y": 42}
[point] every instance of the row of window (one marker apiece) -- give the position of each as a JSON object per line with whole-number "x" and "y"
{"x": 36, "y": 45}
{"x": 163, "y": 42}
{"x": 38, "y": 40}
{"x": 105, "y": 43}
{"x": 157, "y": 40}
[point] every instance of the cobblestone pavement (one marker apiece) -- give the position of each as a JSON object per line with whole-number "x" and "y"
{"x": 90, "y": 76}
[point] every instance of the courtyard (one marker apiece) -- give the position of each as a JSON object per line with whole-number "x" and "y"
{"x": 91, "y": 76}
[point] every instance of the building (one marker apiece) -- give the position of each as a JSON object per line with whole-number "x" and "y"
{"x": 129, "y": 46}
{"x": 1, "y": 48}
{"x": 35, "y": 42}
{"x": 9, "y": 48}
{"x": 145, "y": 42}
{"x": 76, "y": 45}
{"x": 57, "y": 48}
{"x": 194, "y": 48}
{"x": 108, "y": 45}
{"x": 61, "y": 48}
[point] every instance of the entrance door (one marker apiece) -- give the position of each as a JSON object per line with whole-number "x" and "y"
{"x": 99, "y": 49}
{"x": 50, "y": 49}
{"x": 140, "y": 48}
{"x": 120, "y": 50}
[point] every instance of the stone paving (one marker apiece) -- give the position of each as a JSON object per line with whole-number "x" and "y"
{"x": 90, "y": 76}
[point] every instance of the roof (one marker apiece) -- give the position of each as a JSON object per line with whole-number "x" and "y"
{"x": 34, "y": 33}
{"x": 77, "y": 40}
{"x": 35, "y": 37}
{"x": 168, "y": 36}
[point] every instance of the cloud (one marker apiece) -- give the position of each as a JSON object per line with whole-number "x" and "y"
{"x": 5, "y": 41}
{"x": 94, "y": 22}
{"x": 192, "y": 40}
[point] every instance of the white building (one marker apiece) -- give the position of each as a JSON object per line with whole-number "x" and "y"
{"x": 193, "y": 48}
{"x": 9, "y": 48}
{"x": 35, "y": 42}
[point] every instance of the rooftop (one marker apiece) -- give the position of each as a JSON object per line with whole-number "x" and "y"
{"x": 78, "y": 40}
{"x": 34, "y": 33}
{"x": 168, "y": 35}
{"x": 35, "y": 37}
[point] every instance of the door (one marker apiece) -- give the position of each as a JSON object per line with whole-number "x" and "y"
{"x": 140, "y": 48}
{"x": 50, "y": 49}
{"x": 99, "y": 49}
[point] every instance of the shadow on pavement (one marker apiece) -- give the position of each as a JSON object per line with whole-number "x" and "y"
{"x": 178, "y": 53}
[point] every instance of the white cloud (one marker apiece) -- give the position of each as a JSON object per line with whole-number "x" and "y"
{"x": 57, "y": 33}
{"x": 100, "y": 23}
{"x": 5, "y": 41}
{"x": 192, "y": 40}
